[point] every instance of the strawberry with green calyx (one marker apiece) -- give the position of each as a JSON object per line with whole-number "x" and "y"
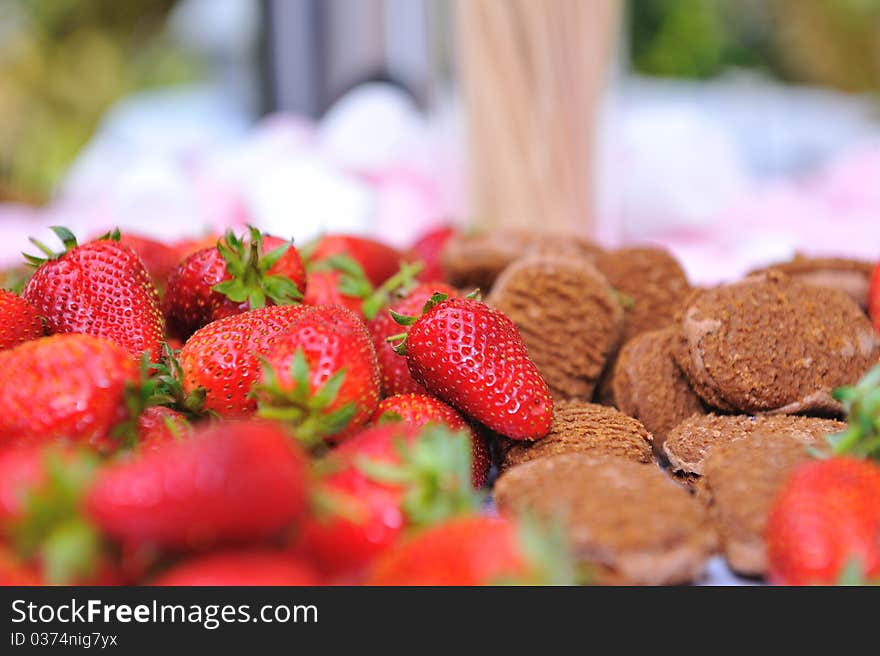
{"x": 477, "y": 550}
{"x": 221, "y": 361}
{"x": 48, "y": 528}
{"x": 232, "y": 482}
{"x": 473, "y": 357}
{"x": 100, "y": 288}
{"x": 234, "y": 276}
{"x": 240, "y": 567}
{"x": 160, "y": 425}
{"x": 19, "y": 321}
{"x": 417, "y": 410}
{"x": 65, "y": 386}
{"x": 378, "y": 261}
{"x": 320, "y": 375}
{"x": 396, "y": 378}
{"x": 381, "y": 482}
{"x": 340, "y": 280}
{"x": 861, "y": 403}
{"x": 826, "y": 516}
{"x": 158, "y": 408}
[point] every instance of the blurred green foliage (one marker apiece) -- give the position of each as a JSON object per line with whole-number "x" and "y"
{"x": 62, "y": 63}
{"x": 831, "y": 42}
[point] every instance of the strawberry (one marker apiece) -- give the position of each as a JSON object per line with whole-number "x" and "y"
{"x": 100, "y": 288}
{"x": 396, "y": 378}
{"x": 418, "y": 410}
{"x": 42, "y": 519}
{"x": 826, "y": 518}
{"x": 874, "y": 297}
{"x": 378, "y": 261}
{"x": 231, "y": 482}
{"x": 380, "y": 482}
{"x": 339, "y": 280}
{"x": 159, "y": 425}
{"x": 19, "y": 321}
{"x": 326, "y": 288}
{"x": 222, "y": 359}
{"x": 71, "y": 386}
{"x": 237, "y": 568}
{"x": 473, "y": 357}
{"x": 321, "y": 375}
{"x": 158, "y": 258}
{"x": 231, "y": 278}
{"x": 22, "y": 469}
{"x": 428, "y": 249}
{"x": 473, "y": 550}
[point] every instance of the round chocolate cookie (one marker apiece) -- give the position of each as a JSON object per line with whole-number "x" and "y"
{"x": 474, "y": 260}
{"x": 652, "y": 283}
{"x": 852, "y": 277}
{"x": 648, "y": 385}
{"x": 743, "y": 479}
{"x": 772, "y": 344}
{"x": 580, "y": 427}
{"x": 568, "y": 317}
{"x": 626, "y": 520}
{"x": 688, "y": 445}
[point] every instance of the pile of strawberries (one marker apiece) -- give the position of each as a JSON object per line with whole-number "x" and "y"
{"x": 245, "y": 413}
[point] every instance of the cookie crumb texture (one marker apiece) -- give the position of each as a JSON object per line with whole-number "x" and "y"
{"x": 650, "y": 386}
{"x": 853, "y": 277}
{"x": 772, "y": 344}
{"x": 580, "y": 427}
{"x": 743, "y": 479}
{"x": 691, "y": 442}
{"x": 627, "y": 521}
{"x": 568, "y": 317}
{"x": 476, "y": 259}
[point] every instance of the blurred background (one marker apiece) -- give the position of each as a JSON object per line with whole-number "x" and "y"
{"x": 734, "y": 132}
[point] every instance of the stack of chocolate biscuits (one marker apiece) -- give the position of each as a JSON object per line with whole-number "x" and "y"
{"x": 678, "y": 411}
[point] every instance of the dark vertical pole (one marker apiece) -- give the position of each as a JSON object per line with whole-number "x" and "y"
{"x": 292, "y": 56}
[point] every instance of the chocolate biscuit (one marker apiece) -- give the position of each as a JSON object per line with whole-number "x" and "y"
{"x": 580, "y": 427}
{"x": 627, "y": 521}
{"x": 568, "y": 317}
{"x": 772, "y": 344}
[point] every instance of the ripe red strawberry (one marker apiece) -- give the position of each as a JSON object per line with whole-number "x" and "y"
{"x": 158, "y": 258}
{"x": 232, "y": 482}
{"x": 19, "y": 321}
{"x": 473, "y": 357}
{"x": 70, "y": 386}
{"x": 874, "y": 297}
{"x": 321, "y": 374}
{"x": 231, "y": 278}
{"x": 826, "y": 518}
{"x": 100, "y": 288}
{"x": 417, "y": 410}
{"x": 429, "y": 249}
{"x": 158, "y": 426}
{"x": 380, "y": 482}
{"x": 471, "y": 550}
{"x": 22, "y": 469}
{"x": 236, "y": 568}
{"x": 42, "y": 489}
{"x": 223, "y": 357}
{"x": 325, "y": 288}
{"x": 378, "y": 260}
{"x": 339, "y": 280}
{"x": 396, "y": 378}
